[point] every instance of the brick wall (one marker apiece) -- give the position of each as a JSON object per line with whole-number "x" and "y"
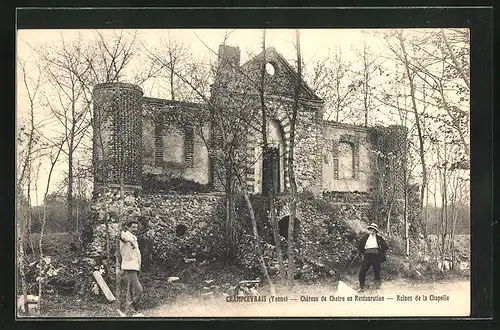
{"x": 173, "y": 142}
{"x": 117, "y": 133}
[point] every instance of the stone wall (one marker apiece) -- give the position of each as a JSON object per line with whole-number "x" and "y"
{"x": 356, "y": 137}
{"x": 307, "y": 139}
{"x": 176, "y": 226}
{"x": 308, "y": 152}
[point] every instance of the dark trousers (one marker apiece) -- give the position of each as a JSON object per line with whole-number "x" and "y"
{"x": 134, "y": 289}
{"x": 370, "y": 259}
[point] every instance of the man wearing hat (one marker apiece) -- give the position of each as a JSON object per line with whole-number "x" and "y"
{"x": 372, "y": 247}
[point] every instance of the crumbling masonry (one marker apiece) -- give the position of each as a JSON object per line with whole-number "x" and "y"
{"x": 170, "y": 177}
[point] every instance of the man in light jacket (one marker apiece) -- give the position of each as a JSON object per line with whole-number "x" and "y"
{"x": 373, "y": 248}
{"x": 131, "y": 266}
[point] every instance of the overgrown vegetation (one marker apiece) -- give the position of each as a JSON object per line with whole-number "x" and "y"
{"x": 155, "y": 183}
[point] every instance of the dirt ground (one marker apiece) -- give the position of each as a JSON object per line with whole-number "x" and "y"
{"x": 395, "y": 298}
{"x": 303, "y": 301}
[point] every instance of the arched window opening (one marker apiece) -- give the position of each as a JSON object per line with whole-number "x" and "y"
{"x": 273, "y": 165}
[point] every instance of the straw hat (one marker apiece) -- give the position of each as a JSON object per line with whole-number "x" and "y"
{"x": 373, "y": 226}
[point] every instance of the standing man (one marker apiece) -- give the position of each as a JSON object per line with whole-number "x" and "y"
{"x": 131, "y": 265}
{"x": 372, "y": 247}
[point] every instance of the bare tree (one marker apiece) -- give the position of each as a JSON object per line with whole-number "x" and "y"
{"x": 30, "y": 147}
{"x": 333, "y": 79}
{"x": 440, "y": 98}
{"x": 110, "y": 54}
{"x": 67, "y": 68}
{"x": 440, "y": 76}
{"x": 410, "y": 74}
{"x": 110, "y": 57}
{"x": 291, "y": 164}
{"x": 53, "y": 158}
{"x": 459, "y": 67}
{"x": 176, "y": 59}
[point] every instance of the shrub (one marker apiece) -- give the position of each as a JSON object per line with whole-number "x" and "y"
{"x": 53, "y": 243}
{"x": 396, "y": 244}
{"x": 155, "y": 183}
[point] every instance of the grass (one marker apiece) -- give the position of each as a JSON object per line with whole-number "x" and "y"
{"x": 55, "y": 305}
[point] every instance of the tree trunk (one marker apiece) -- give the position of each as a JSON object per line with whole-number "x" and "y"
{"x": 265, "y": 163}
{"x": 417, "y": 123}
{"x": 78, "y": 198}
{"x": 457, "y": 64}
{"x": 172, "y": 93}
{"x": 20, "y": 248}
{"x": 291, "y": 168}
{"x": 228, "y": 225}
{"x": 407, "y": 225}
{"x": 256, "y": 239}
{"x": 277, "y": 240}
{"x": 452, "y": 234}
{"x": 40, "y": 247}
{"x": 230, "y": 216}
{"x": 44, "y": 221}
{"x": 69, "y": 196}
{"x": 365, "y": 91}
{"x": 445, "y": 207}
{"x": 118, "y": 271}
{"x": 388, "y": 226}
{"x": 268, "y": 191}
{"x": 425, "y": 233}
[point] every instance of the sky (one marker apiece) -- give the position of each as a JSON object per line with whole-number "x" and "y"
{"x": 315, "y": 42}
{"x": 202, "y": 43}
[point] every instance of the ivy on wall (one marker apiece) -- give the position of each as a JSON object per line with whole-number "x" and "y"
{"x": 152, "y": 183}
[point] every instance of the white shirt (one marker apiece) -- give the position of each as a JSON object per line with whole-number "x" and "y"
{"x": 131, "y": 255}
{"x": 371, "y": 242}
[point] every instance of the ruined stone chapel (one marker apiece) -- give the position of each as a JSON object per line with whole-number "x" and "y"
{"x": 167, "y": 140}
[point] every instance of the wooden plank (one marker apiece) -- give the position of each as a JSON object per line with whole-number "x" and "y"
{"x": 104, "y": 287}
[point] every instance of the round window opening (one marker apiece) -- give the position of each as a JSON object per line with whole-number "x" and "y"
{"x": 180, "y": 230}
{"x": 270, "y": 69}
